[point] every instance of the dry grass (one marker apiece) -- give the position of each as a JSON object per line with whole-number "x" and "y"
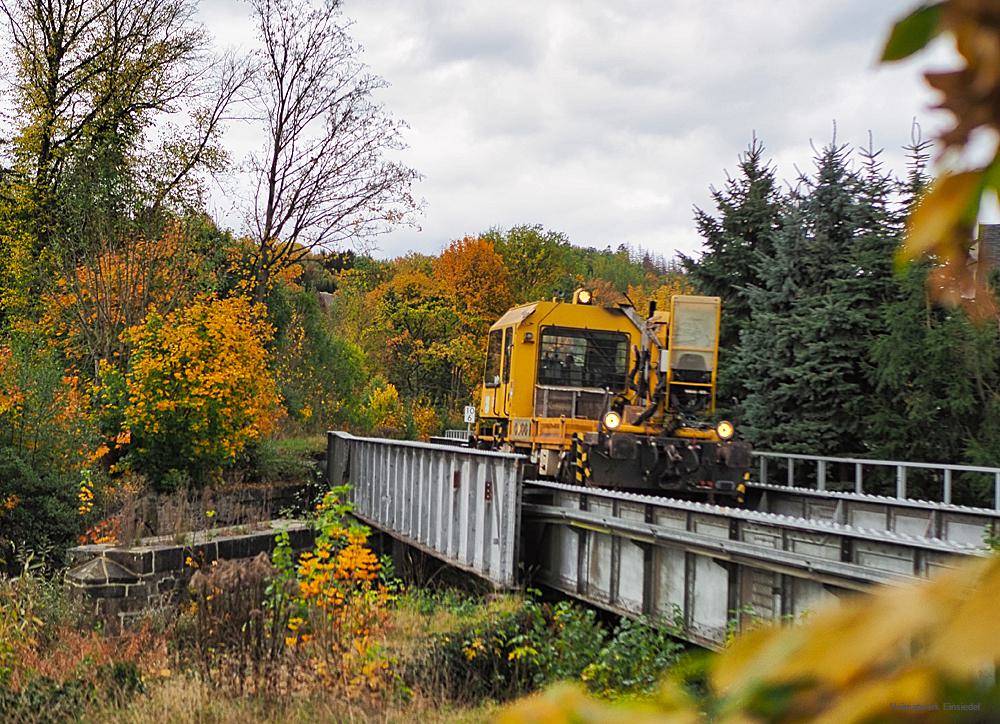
{"x": 187, "y": 697}
{"x": 179, "y": 700}
{"x": 410, "y": 626}
{"x": 73, "y": 653}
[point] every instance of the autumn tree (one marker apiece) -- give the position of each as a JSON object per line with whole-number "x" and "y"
{"x": 90, "y": 307}
{"x": 323, "y": 177}
{"x": 321, "y": 374}
{"x": 200, "y": 388}
{"x": 472, "y": 272}
{"x": 539, "y": 258}
{"x": 95, "y": 167}
{"x": 420, "y": 322}
{"x": 92, "y": 75}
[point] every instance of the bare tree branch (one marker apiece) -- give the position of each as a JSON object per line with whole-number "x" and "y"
{"x": 324, "y": 178}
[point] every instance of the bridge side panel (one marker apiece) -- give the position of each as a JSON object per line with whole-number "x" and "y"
{"x": 457, "y": 504}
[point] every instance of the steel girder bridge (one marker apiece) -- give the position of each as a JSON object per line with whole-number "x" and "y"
{"x": 816, "y": 535}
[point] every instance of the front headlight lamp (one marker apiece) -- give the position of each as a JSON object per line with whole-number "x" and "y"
{"x": 725, "y": 430}
{"x": 612, "y": 420}
{"x": 583, "y": 296}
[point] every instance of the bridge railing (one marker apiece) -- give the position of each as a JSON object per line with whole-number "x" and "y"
{"x": 977, "y": 485}
{"x": 458, "y": 504}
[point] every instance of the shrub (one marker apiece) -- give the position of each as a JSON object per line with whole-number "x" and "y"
{"x": 44, "y": 699}
{"x": 43, "y": 408}
{"x": 494, "y": 656}
{"x": 339, "y": 605}
{"x": 575, "y": 639}
{"x": 321, "y": 375}
{"x": 385, "y": 410}
{"x": 635, "y": 658}
{"x": 896, "y": 654}
{"x": 44, "y": 437}
{"x": 235, "y": 640}
{"x": 425, "y": 420}
{"x": 38, "y": 509}
{"x": 199, "y": 387}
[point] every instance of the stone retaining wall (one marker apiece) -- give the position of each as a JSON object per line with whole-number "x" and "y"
{"x": 121, "y": 584}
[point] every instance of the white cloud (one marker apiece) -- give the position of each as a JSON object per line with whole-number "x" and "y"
{"x": 609, "y": 121}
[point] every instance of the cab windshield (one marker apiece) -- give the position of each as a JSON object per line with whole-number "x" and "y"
{"x": 583, "y": 358}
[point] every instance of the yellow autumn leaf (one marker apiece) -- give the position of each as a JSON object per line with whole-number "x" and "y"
{"x": 965, "y": 642}
{"x": 950, "y": 200}
{"x": 569, "y": 704}
{"x": 899, "y": 694}
{"x": 840, "y": 647}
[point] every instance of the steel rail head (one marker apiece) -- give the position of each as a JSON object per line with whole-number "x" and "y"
{"x": 765, "y": 518}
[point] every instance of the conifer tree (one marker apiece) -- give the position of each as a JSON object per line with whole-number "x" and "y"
{"x": 937, "y": 373}
{"x": 746, "y": 219}
{"x": 813, "y": 318}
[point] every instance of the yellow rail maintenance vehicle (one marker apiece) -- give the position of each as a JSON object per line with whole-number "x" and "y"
{"x": 597, "y": 395}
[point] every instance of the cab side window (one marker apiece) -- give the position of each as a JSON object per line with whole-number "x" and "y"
{"x": 491, "y": 378}
{"x": 508, "y": 351}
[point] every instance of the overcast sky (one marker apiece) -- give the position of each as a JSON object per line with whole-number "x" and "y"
{"x": 609, "y": 119}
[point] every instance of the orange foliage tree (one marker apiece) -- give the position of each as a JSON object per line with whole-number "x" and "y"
{"x": 418, "y": 320}
{"x": 199, "y": 385}
{"x": 474, "y": 275}
{"x": 91, "y": 308}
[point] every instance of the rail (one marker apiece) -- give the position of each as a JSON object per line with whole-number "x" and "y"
{"x": 820, "y": 466}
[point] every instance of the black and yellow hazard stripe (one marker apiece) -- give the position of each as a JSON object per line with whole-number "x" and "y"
{"x": 581, "y": 461}
{"x": 741, "y": 489}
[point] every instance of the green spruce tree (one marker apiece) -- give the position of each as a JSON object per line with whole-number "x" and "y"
{"x": 743, "y": 226}
{"x": 804, "y": 353}
{"x": 937, "y": 373}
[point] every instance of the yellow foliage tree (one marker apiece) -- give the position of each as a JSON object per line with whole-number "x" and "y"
{"x": 199, "y": 385}
{"x": 425, "y": 419}
{"x": 385, "y": 410}
{"x": 661, "y": 292}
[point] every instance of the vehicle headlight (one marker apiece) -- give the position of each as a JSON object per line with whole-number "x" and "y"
{"x": 584, "y": 296}
{"x": 612, "y": 420}
{"x": 725, "y": 430}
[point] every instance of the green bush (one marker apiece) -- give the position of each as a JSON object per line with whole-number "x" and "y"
{"x": 41, "y": 514}
{"x": 500, "y": 654}
{"x": 45, "y": 700}
{"x": 489, "y": 658}
{"x": 634, "y": 659}
{"x": 570, "y": 641}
